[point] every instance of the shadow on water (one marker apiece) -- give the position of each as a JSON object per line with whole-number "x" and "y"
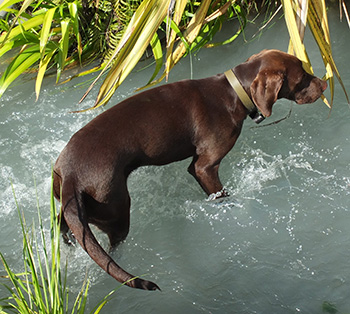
{"x": 278, "y": 244}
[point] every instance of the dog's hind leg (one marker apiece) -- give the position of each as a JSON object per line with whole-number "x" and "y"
{"x": 117, "y": 229}
{"x": 75, "y": 215}
{"x": 113, "y": 215}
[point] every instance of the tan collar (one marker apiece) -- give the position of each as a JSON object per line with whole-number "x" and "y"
{"x": 243, "y": 96}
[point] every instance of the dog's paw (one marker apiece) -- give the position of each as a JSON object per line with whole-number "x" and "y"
{"x": 69, "y": 239}
{"x": 214, "y": 196}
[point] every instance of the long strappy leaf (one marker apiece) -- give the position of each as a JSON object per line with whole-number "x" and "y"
{"x": 19, "y": 65}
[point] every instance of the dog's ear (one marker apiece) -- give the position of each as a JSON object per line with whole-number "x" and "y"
{"x": 265, "y": 89}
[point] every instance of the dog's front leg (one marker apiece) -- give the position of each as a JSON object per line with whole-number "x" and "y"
{"x": 206, "y": 172}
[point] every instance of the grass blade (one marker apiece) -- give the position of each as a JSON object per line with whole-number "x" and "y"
{"x": 36, "y": 291}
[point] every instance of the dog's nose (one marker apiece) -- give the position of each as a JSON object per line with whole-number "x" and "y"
{"x": 323, "y": 85}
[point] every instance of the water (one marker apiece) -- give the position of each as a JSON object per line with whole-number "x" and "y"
{"x": 279, "y": 244}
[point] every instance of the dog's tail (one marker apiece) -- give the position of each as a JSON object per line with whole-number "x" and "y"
{"x": 75, "y": 216}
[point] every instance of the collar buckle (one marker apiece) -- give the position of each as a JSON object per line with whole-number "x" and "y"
{"x": 256, "y": 116}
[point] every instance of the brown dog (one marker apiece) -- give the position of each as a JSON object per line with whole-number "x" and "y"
{"x": 201, "y": 119}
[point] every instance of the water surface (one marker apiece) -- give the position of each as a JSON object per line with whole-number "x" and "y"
{"x": 279, "y": 244}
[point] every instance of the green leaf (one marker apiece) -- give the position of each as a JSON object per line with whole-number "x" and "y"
{"x": 63, "y": 51}
{"x": 42, "y": 69}
{"x": 158, "y": 55}
{"x": 18, "y": 66}
{"x": 21, "y": 40}
{"x": 26, "y": 25}
{"x": 73, "y": 10}
{"x": 177, "y": 31}
{"x": 24, "y": 6}
{"x": 46, "y": 28}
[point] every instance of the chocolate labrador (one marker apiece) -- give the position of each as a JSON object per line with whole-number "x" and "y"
{"x": 201, "y": 119}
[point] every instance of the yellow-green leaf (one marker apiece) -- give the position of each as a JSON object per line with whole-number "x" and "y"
{"x": 42, "y": 69}
{"x": 73, "y": 10}
{"x": 158, "y": 55}
{"x": 191, "y": 33}
{"x": 46, "y": 28}
{"x": 63, "y": 51}
{"x": 178, "y": 12}
{"x": 297, "y": 43}
{"x": 144, "y": 24}
{"x": 318, "y": 22}
{"x": 7, "y": 4}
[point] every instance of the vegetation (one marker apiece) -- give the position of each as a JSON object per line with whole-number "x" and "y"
{"x": 42, "y": 287}
{"x": 56, "y": 34}
{"x": 313, "y": 13}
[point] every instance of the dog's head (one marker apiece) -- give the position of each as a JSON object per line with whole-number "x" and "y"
{"x": 281, "y": 75}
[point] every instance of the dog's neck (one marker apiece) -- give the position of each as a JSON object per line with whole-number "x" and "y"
{"x": 244, "y": 97}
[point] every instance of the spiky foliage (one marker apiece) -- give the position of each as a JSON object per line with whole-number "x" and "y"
{"x": 55, "y": 34}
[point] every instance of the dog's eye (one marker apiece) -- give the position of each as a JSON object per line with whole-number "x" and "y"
{"x": 303, "y": 77}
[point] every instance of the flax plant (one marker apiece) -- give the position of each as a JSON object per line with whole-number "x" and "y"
{"x": 313, "y": 13}
{"x": 54, "y": 35}
{"x": 49, "y": 36}
{"x": 42, "y": 286}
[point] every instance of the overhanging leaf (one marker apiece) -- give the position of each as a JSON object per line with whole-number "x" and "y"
{"x": 190, "y": 35}
{"x": 63, "y": 51}
{"x": 158, "y": 55}
{"x": 18, "y": 66}
{"x": 144, "y": 23}
{"x": 175, "y": 22}
{"x": 46, "y": 28}
{"x": 318, "y": 21}
{"x": 297, "y": 43}
{"x": 73, "y": 10}
{"x": 6, "y": 4}
{"x": 33, "y": 22}
{"x": 24, "y": 6}
{"x": 42, "y": 69}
